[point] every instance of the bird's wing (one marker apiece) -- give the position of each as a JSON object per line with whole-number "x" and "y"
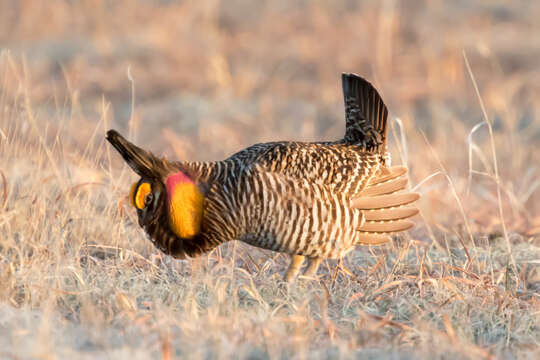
{"x": 379, "y": 212}
{"x": 287, "y": 188}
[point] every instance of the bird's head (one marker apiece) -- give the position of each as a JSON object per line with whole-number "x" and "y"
{"x": 168, "y": 199}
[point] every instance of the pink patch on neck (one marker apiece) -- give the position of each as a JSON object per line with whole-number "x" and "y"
{"x": 175, "y": 179}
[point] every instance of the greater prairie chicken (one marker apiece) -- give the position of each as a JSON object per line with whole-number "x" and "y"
{"x": 314, "y": 200}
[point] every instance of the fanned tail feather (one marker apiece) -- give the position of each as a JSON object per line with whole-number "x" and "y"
{"x": 389, "y": 174}
{"x": 390, "y": 214}
{"x": 372, "y": 239}
{"x": 384, "y": 210}
{"x": 387, "y": 187}
{"x": 386, "y": 226}
{"x": 384, "y": 201}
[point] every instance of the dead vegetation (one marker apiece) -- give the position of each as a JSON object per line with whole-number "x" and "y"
{"x": 200, "y": 80}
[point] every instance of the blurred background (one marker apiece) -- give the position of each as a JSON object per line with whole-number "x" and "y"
{"x": 202, "y": 79}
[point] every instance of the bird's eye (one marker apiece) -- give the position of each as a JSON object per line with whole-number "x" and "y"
{"x": 148, "y": 198}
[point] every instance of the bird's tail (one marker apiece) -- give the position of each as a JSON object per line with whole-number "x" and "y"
{"x": 365, "y": 114}
{"x": 384, "y": 209}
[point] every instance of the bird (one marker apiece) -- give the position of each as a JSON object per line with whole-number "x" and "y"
{"x": 311, "y": 200}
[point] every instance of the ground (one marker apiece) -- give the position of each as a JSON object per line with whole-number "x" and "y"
{"x": 201, "y": 80}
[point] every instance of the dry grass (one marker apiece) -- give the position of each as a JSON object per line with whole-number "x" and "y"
{"x": 79, "y": 279}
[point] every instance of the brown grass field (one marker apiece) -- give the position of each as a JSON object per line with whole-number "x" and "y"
{"x": 202, "y": 79}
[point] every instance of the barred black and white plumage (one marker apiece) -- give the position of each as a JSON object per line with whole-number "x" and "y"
{"x": 314, "y": 200}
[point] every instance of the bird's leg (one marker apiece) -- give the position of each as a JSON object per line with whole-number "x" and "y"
{"x": 313, "y": 266}
{"x": 294, "y": 267}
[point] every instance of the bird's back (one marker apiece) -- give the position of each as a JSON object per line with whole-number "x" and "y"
{"x": 339, "y": 167}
